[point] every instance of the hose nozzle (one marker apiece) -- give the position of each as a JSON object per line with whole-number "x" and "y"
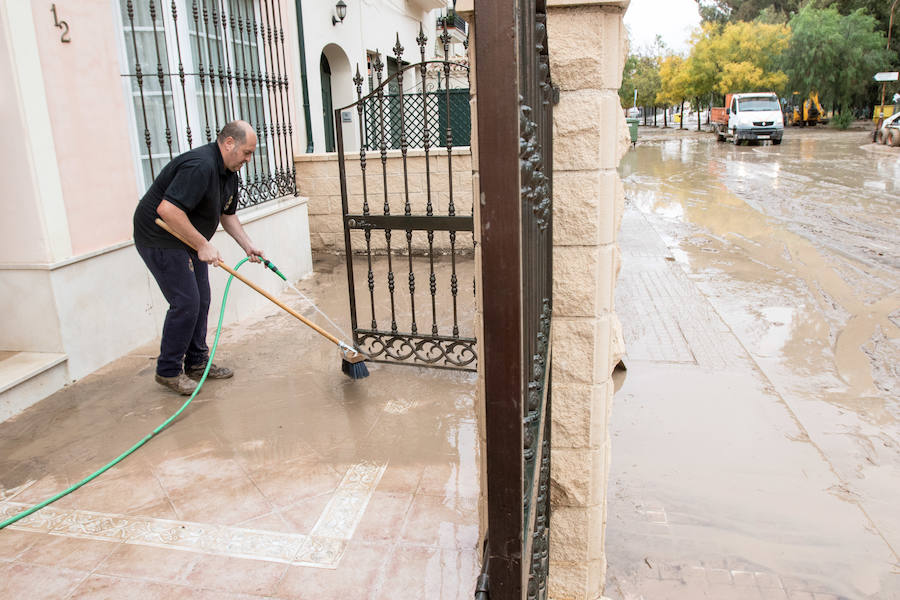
{"x": 270, "y": 265}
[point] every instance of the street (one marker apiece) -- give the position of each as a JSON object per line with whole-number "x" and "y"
{"x": 755, "y": 434}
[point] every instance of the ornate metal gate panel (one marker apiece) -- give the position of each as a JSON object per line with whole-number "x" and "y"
{"x": 515, "y": 100}
{"x": 418, "y": 201}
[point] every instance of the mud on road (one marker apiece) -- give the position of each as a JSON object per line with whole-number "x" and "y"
{"x": 790, "y": 256}
{"x": 817, "y": 218}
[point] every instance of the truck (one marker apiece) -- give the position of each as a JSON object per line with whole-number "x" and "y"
{"x": 748, "y": 117}
{"x": 808, "y": 112}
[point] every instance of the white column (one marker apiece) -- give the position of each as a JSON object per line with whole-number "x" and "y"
{"x": 28, "y": 92}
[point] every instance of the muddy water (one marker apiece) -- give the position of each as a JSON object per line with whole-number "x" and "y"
{"x": 809, "y": 232}
{"x": 251, "y": 450}
{"x": 797, "y": 249}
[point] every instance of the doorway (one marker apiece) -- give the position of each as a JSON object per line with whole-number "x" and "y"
{"x": 327, "y": 106}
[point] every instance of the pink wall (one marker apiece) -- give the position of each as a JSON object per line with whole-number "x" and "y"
{"x": 90, "y": 124}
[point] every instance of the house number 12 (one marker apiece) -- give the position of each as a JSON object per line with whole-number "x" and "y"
{"x": 64, "y": 37}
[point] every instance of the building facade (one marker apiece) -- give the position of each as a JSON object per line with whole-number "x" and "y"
{"x": 98, "y": 95}
{"x": 337, "y": 49}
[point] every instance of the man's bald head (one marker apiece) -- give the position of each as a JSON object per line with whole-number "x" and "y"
{"x": 237, "y": 142}
{"x": 235, "y": 129}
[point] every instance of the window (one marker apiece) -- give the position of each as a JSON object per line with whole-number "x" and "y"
{"x": 194, "y": 65}
{"x": 759, "y": 103}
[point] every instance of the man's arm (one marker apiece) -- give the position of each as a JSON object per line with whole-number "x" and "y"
{"x": 178, "y": 220}
{"x": 233, "y": 226}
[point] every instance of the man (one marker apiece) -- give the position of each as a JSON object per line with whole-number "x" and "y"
{"x": 191, "y": 194}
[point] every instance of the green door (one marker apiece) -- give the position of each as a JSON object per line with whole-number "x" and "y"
{"x": 327, "y": 108}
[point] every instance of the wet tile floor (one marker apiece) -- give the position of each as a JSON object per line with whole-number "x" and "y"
{"x": 288, "y": 481}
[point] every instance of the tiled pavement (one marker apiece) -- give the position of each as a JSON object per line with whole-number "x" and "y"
{"x": 288, "y": 481}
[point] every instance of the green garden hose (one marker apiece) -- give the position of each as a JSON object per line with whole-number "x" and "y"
{"x": 152, "y": 434}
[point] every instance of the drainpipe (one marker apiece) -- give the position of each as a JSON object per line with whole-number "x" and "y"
{"x": 309, "y": 140}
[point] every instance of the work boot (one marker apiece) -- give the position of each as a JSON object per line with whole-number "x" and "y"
{"x": 180, "y": 383}
{"x": 215, "y": 372}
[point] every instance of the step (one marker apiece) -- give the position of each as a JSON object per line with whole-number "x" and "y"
{"x": 27, "y": 378}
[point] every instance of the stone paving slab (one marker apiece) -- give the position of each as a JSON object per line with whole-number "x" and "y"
{"x": 287, "y": 481}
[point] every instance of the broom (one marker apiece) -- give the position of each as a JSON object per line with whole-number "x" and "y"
{"x": 352, "y": 360}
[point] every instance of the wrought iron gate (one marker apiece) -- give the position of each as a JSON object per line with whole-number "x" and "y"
{"x": 515, "y": 100}
{"x": 422, "y": 119}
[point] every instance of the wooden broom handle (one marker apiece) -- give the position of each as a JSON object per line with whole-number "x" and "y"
{"x": 278, "y": 302}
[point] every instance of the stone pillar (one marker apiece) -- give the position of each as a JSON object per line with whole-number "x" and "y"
{"x": 587, "y": 53}
{"x": 466, "y": 10}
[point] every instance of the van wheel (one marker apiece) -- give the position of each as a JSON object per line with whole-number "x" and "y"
{"x": 777, "y": 142}
{"x": 893, "y": 137}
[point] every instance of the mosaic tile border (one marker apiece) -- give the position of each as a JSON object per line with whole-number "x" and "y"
{"x": 323, "y": 548}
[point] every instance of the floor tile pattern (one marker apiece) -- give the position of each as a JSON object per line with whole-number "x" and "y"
{"x": 323, "y": 548}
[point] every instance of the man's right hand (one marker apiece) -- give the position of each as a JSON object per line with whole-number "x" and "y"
{"x": 209, "y": 254}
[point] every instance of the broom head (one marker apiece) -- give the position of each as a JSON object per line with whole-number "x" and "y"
{"x": 354, "y": 365}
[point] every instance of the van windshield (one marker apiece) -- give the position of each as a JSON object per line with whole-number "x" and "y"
{"x": 758, "y": 104}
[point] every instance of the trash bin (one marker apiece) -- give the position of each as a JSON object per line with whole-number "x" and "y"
{"x": 632, "y": 128}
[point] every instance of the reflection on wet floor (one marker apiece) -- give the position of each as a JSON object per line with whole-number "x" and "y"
{"x": 761, "y": 412}
{"x": 288, "y": 481}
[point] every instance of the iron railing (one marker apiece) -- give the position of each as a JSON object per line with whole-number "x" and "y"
{"x": 443, "y": 110}
{"x": 453, "y": 21}
{"x": 194, "y": 65}
{"x": 515, "y": 118}
{"x": 419, "y": 221}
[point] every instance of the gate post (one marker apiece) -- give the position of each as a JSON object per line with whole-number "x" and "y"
{"x": 587, "y": 40}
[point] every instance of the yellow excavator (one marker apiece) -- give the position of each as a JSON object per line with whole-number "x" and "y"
{"x": 808, "y": 112}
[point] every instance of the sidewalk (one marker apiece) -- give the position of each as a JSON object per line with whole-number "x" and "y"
{"x": 288, "y": 481}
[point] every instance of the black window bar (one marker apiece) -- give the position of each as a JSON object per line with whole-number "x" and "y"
{"x": 194, "y": 65}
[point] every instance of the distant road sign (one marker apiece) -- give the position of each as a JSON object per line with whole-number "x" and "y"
{"x": 887, "y": 76}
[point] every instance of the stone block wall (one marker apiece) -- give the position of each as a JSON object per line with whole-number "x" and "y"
{"x": 587, "y": 54}
{"x": 587, "y": 50}
{"x": 318, "y": 179}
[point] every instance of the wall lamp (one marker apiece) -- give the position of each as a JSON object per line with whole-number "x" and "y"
{"x": 341, "y": 9}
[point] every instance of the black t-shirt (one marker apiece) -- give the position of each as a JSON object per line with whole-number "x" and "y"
{"x": 198, "y": 183}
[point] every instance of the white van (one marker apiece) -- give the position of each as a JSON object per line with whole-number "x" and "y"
{"x": 750, "y": 117}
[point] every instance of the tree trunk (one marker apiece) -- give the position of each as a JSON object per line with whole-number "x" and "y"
{"x": 665, "y": 117}
{"x": 654, "y": 116}
{"x": 681, "y": 121}
{"x": 698, "y": 114}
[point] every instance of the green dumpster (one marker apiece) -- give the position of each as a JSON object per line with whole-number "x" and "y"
{"x": 632, "y": 127}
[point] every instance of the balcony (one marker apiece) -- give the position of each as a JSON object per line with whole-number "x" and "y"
{"x": 429, "y": 4}
{"x": 456, "y": 26}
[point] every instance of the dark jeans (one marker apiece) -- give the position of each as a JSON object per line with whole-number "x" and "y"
{"x": 184, "y": 281}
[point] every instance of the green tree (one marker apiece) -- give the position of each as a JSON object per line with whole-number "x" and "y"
{"x": 780, "y": 11}
{"x": 641, "y": 73}
{"x": 835, "y": 54}
{"x": 737, "y": 57}
{"x": 626, "y": 91}
{"x": 674, "y": 89}
{"x": 647, "y": 82}
{"x": 880, "y": 9}
{"x": 725, "y": 11}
